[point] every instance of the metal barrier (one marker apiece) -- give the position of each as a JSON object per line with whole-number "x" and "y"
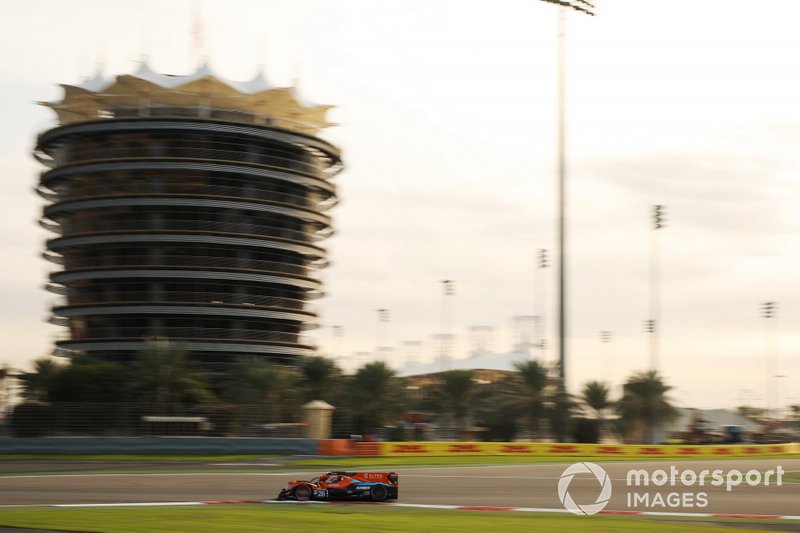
{"x": 132, "y": 420}
{"x": 158, "y": 445}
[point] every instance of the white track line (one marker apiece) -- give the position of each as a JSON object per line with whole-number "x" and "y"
{"x": 186, "y": 474}
{"x": 743, "y": 516}
{"x": 562, "y": 511}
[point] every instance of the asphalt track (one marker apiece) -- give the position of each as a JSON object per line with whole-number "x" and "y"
{"x": 521, "y": 485}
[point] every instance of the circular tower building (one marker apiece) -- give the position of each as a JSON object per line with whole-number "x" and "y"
{"x": 186, "y": 208}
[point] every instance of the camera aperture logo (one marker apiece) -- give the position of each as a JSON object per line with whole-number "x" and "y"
{"x": 661, "y": 489}
{"x": 585, "y": 509}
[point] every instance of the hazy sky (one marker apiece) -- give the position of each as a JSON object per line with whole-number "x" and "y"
{"x": 447, "y": 113}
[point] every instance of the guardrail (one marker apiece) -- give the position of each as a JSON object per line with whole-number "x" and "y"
{"x": 123, "y": 420}
{"x": 159, "y": 445}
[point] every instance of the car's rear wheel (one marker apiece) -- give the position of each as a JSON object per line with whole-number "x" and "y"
{"x": 378, "y": 493}
{"x": 302, "y": 493}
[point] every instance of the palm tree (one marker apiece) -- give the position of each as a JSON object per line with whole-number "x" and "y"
{"x": 375, "y": 396}
{"x": 39, "y": 385}
{"x": 644, "y": 401}
{"x": 561, "y": 409}
{"x": 255, "y": 381}
{"x": 595, "y": 395}
{"x": 455, "y": 394}
{"x": 491, "y": 411}
{"x": 91, "y": 381}
{"x": 525, "y": 393}
{"x": 162, "y": 376}
{"x": 270, "y": 389}
{"x": 321, "y": 377}
{"x": 745, "y": 411}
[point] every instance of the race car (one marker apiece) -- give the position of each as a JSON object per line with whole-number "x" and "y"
{"x": 371, "y": 486}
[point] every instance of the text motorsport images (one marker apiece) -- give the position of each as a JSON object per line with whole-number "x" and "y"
{"x": 644, "y": 499}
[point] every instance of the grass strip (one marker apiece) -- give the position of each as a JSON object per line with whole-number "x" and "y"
{"x": 259, "y": 518}
{"x": 478, "y": 460}
{"x": 792, "y": 476}
{"x": 128, "y": 457}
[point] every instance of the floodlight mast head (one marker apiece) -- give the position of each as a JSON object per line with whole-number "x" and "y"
{"x": 578, "y": 5}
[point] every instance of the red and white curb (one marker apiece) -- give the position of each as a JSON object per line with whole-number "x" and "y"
{"x": 430, "y": 506}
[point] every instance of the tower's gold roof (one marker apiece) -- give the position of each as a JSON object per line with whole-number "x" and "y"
{"x": 254, "y": 101}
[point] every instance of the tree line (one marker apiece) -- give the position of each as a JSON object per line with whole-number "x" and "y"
{"x": 529, "y": 402}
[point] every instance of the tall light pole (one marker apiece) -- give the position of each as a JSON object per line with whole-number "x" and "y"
{"x": 411, "y": 351}
{"x": 653, "y": 325}
{"x": 608, "y": 364}
{"x": 540, "y": 302}
{"x": 768, "y": 312}
{"x": 586, "y": 8}
{"x": 337, "y": 332}
{"x": 778, "y": 396}
{"x": 382, "y": 330}
{"x": 448, "y": 290}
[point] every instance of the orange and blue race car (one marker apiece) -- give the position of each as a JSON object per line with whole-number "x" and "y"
{"x": 371, "y": 486}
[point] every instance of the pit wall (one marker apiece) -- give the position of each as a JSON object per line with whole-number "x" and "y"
{"x": 439, "y": 449}
{"x": 157, "y": 445}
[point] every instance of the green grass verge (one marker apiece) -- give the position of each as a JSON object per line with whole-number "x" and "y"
{"x": 360, "y": 462}
{"x": 429, "y": 460}
{"x": 792, "y": 477}
{"x": 140, "y": 457}
{"x": 328, "y": 518}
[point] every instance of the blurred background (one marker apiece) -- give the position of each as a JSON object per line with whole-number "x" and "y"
{"x": 448, "y": 121}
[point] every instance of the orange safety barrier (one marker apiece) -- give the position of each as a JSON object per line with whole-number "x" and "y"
{"x": 367, "y": 449}
{"x": 335, "y": 447}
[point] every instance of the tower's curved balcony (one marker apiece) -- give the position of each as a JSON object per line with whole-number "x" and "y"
{"x": 218, "y": 300}
{"x": 152, "y": 139}
{"x": 136, "y": 225}
{"x": 86, "y": 258}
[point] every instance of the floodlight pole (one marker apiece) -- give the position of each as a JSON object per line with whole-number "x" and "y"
{"x": 540, "y": 302}
{"x": 654, "y": 326}
{"x": 768, "y": 312}
{"x": 586, "y": 7}
{"x": 562, "y": 170}
{"x": 337, "y": 333}
{"x": 448, "y": 290}
{"x": 382, "y": 330}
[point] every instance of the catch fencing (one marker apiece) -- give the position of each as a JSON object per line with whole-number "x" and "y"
{"x": 132, "y": 420}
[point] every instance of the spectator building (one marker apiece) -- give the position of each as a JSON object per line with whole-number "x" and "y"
{"x": 187, "y": 208}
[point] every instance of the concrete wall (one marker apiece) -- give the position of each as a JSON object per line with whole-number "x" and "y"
{"x": 158, "y": 445}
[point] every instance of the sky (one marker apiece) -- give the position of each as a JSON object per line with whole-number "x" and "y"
{"x": 447, "y": 122}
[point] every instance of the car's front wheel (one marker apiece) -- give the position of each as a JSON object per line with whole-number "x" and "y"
{"x": 378, "y": 493}
{"x": 302, "y": 493}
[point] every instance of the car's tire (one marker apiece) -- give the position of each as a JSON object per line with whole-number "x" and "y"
{"x": 378, "y": 493}
{"x": 302, "y": 493}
